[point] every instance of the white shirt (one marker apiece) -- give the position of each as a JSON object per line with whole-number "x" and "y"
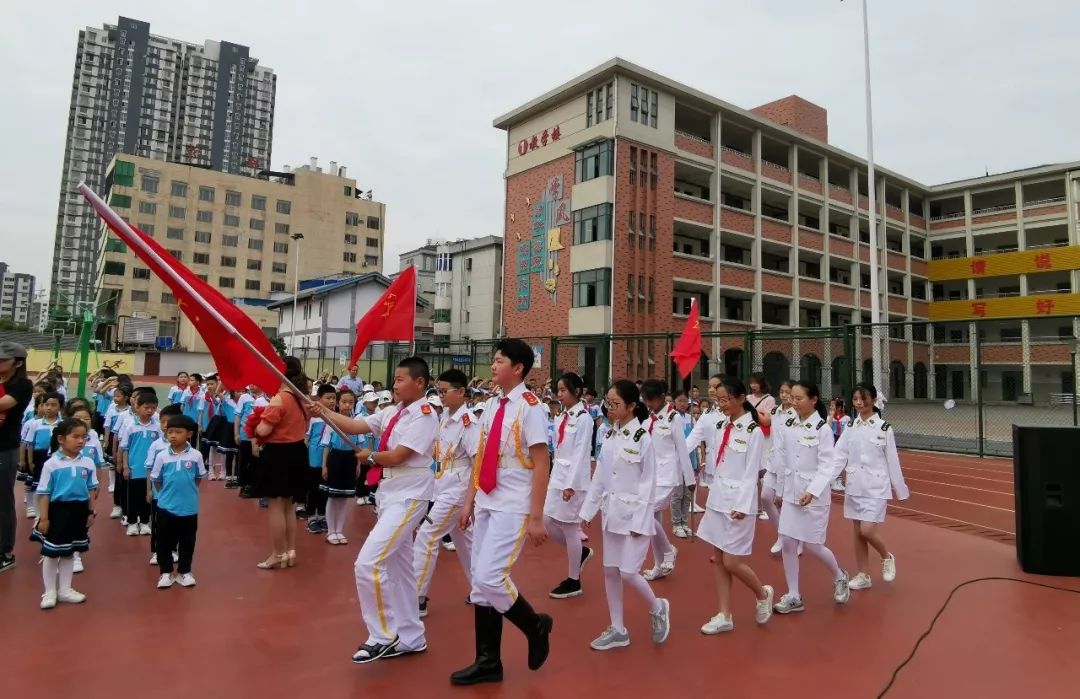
{"x": 624, "y": 486}
{"x": 525, "y": 425}
{"x": 570, "y": 468}
{"x": 673, "y": 466}
{"x": 867, "y": 449}
{"x": 780, "y": 416}
{"x": 803, "y": 459}
{"x": 707, "y": 430}
{"x": 415, "y": 430}
{"x": 734, "y": 486}
{"x": 455, "y": 451}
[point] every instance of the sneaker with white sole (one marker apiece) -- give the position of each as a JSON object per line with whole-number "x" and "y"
{"x": 153, "y": 559}
{"x": 661, "y": 621}
{"x": 720, "y": 623}
{"x": 610, "y": 638}
{"x": 48, "y": 600}
{"x": 698, "y": 509}
{"x": 764, "y": 608}
{"x": 116, "y": 513}
{"x": 762, "y": 515}
{"x": 70, "y": 596}
{"x": 123, "y": 521}
{"x": 680, "y": 532}
{"x": 777, "y": 547}
{"x": 166, "y": 580}
{"x": 133, "y": 530}
{"x": 587, "y": 554}
{"x": 186, "y": 580}
{"x": 654, "y": 573}
{"x": 841, "y": 591}
{"x": 77, "y": 564}
{"x": 788, "y": 604}
{"x": 838, "y": 486}
{"x": 449, "y": 546}
{"x": 667, "y": 566}
{"x": 888, "y": 568}
{"x": 31, "y": 512}
{"x": 112, "y": 488}
{"x": 861, "y": 581}
{"x": 144, "y": 530}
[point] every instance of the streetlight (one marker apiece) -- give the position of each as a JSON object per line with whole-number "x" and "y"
{"x": 296, "y": 238}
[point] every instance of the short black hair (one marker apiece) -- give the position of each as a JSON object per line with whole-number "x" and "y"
{"x": 324, "y": 389}
{"x": 417, "y": 368}
{"x": 170, "y": 410}
{"x": 517, "y": 351}
{"x": 182, "y": 422}
{"x": 454, "y": 377}
{"x": 53, "y": 395}
{"x": 146, "y": 398}
{"x": 75, "y": 404}
{"x": 653, "y": 388}
{"x": 197, "y": 377}
{"x": 346, "y": 392}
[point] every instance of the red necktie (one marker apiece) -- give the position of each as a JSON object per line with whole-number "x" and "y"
{"x": 209, "y": 405}
{"x": 723, "y": 443}
{"x": 562, "y": 428}
{"x": 490, "y": 465}
{"x": 652, "y": 422}
{"x": 374, "y": 475}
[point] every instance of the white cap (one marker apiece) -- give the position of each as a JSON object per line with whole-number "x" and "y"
{"x": 369, "y": 397}
{"x": 368, "y": 388}
{"x": 436, "y": 401}
{"x": 386, "y": 397}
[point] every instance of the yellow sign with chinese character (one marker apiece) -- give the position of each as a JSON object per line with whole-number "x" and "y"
{"x": 1004, "y": 264}
{"x": 1011, "y": 307}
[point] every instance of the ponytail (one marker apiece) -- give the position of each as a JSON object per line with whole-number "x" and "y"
{"x": 869, "y": 393}
{"x": 750, "y": 409}
{"x": 736, "y": 388}
{"x": 812, "y": 392}
{"x": 819, "y": 406}
{"x": 628, "y": 391}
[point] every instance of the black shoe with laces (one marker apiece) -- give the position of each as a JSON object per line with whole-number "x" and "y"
{"x": 567, "y": 588}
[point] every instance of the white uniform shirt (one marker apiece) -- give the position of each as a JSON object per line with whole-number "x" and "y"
{"x": 525, "y": 424}
{"x": 673, "y": 466}
{"x": 707, "y": 431}
{"x": 570, "y": 469}
{"x": 780, "y": 416}
{"x": 624, "y": 486}
{"x": 867, "y": 448}
{"x": 734, "y": 486}
{"x": 416, "y": 430}
{"x": 454, "y": 452}
{"x": 803, "y": 457}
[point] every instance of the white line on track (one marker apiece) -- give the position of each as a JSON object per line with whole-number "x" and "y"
{"x": 965, "y": 502}
{"x": 951, "y": 519}
{"x": 965, "y": 487}
{"x": 909, "y": 469}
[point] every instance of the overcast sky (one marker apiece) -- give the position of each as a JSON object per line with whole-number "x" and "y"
{"x": 405, "y": 93}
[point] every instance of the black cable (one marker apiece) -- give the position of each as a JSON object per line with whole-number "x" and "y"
{"x": 948, "y": 599}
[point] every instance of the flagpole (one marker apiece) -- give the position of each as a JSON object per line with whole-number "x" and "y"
{"x": 875, "y": 299}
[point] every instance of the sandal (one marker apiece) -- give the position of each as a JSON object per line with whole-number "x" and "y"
{"x": 290, "y": 557}
{"x": 275, "y": 561}
{"x": 373, "y": 651}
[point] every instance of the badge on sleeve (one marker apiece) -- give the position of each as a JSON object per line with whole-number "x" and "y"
{"x": 530, "y": 398}
{"x": 465, "y": 420}
{"x": 425, "y": 409}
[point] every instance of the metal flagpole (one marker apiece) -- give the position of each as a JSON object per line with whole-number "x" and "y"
{"x": 875, "y": 297}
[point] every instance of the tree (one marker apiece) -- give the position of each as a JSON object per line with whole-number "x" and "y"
{"x": 279, "y": 344}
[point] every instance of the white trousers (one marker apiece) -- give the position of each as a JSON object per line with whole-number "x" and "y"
{"x": 444, "y": 520}
{"x": 385, "y": 580}
{"x": 497, "y": 541}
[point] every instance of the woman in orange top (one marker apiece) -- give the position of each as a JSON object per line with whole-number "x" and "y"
{"x": 282, "y": 460}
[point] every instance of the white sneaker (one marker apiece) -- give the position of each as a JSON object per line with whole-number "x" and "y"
{"x": 777, "y": 548}
{"x": 654, "y": 573}
{"x": 720, "y": 623}
{"x": 116, "y": 513}
{"x": 698, "y": 509}
{"x": 112, "y": 488}
{"x": 166, "y": 580}
{"x": 144, "y": 530}
{"x": 48, "y": 600}
{"x": 681, "y": 532}
{"x": 70, "y": 596}
{"x": 449, "y": 546}
{"x": 841, "y": 591}
{"x": 838, "y": 486}
{"x": 153, "y": 559}
{"x": 133, "y": 530}
{"x": 186, "y": 580}
{"x": 762, "y": 515}
{"x": 77, "y": 566}
{"x": 789, "y": 603}
{"x": 764, "y": 609}
{"x": 123, "y": 521}
{"x": 888, "y": 568}
{"x": 609, "y": 639}
{"x": 861, "y": 581}
{"x": 668, "y": 564}
{"x": 31, "y": 512}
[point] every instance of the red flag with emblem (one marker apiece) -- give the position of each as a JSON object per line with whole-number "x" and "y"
{"x": 687, "y": 351}
{"x": 393, "y": 317}
{"x": 214, "y": 317}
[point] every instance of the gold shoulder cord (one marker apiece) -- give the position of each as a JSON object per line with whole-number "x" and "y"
{"x": 519, "y": 451}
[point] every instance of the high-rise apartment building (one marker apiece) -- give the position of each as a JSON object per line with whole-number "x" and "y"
{"x": 210, "y": 105}
{"x": 16, "y": 295}
{"x": 468, "y": 289}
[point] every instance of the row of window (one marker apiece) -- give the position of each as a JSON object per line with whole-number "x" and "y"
{"x": 353, "y": 239}
{"x": 369, "y": 260}
{"x": 599, "y": 104}
{"x": 149, "y": 183}
{"x": 115, "y": 268}
{"x": 594, "y": 160}
{"x": 354, "y": 219}
{"x": 644, "y": 296}
{"x": 648, "y": 168}
{"x": 644, "y": 105}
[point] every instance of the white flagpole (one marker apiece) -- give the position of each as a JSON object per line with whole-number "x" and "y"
{"x": 875, "y": 296}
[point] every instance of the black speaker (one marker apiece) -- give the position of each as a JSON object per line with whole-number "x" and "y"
{"x": 1046, "y": 466}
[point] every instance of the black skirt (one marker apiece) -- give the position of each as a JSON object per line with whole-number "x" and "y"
{"x": 227, "y": 443}
{"x": 38, "y": 459}
{"x": 67, "y": 529}
{"x": 279, "y": 471}
{"x": 215, "y": 430}
{"x": 341, "y": 474}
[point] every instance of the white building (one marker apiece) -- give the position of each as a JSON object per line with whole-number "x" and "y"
{"x": 39, "y": 311}
{"x": 16, "y": 295}
{"x": 468, "y": 289}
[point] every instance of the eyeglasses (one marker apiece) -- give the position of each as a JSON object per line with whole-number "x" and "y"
{"x": 611, "y": 406}
{"x": 444, "y": 391}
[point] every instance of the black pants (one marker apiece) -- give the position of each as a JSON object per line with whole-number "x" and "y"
{"x": 316, "y": 497}
{"x": 153, "y": 525}
{"x": 175, "y": 533}
{"x": 230, "y": 459}
{"x": 119, "y": 496}
{"x": 244, "y": 467}
{"x": 137, "y": 506}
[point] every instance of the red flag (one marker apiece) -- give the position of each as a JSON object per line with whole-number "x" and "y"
{"x": 219, "y": 325}
{"x": 393, "y": 317}
{"x": 687, "y": 350}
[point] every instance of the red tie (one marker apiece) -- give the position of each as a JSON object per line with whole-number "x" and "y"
{"x": 209, "y": 405}
{"x": 490, "y": 465}
{"x": 723, "y": 443}
{"x": 652, "y": 422}
{"x": 375, "y": 474}
{"x": 562, "y": 428}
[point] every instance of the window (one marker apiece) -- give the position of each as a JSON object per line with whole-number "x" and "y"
{"x": 122, "y": 201}
{"x": 203, "y": 277}
{"x": 140, "y": 273}
{"x": 206, "y": 194}
{"x": 652, "y": 171}
{"x": 174, "y": 233}
{"x": 124, "y": 173}
{"x": 348, "y": 191}
{"x": 371, "y": 260}
{"x": 277, "y": 286}
{"x": 140, "y": 295}
{"x": 147, "y": 228}
{"x": 279, "y": 267}
{"x": 228, "y": 261}
{"x": 352, "y": 218}
{"x": 149, "y": 183}
{"x": 178, "y": 189}
{"x": 593, "y": 161}
{"x": 284, "y": 207}
{"x": 350, "y": 257}
{"x": 599, "y": 103}
{"x": 592, "y": 224}
{"x": 178, "y": 254}
{"x": 351, "y": 239}
{"x": 166, "y": 297}
{"x": 633, "y": 166}
{"x": 232, "y": 221}
{"x": 252, "y": 285}
{"x": 115, "y": 269}
{"x": 202, "y": 237}
{"x": 115, "y": 245}
{"x": 177, "y": 212}
{"x": 278, "y": 247}
{"x": 644, "y": 105}
{"x": 468, "y": 264}
{"x": 281, "y": 228}
{"x": 232, "y": 198}
{"x": 652, "y": 232}
{"x": 254, "y": 265}
{"x": 230, "y": 241}
{"x": 256, "y": 244}
{"x": 592, "y": 288}
{"x": 256, "y": 224}
{"x": 258, "y": 203}
{"x": 226, "y": 282}
{"x": 204, "y": 216}
{"x": 201, "y": 258}
{"x": 373, "y": 222}
{"x": 147, "y": 207}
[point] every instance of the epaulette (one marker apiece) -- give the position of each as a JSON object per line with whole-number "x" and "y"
{"x": 751, "y": 426}
{"x": 790, "y": 421}
{"x": 821, "y": 424}
{"x": 885, "y": 427}
{"x": 610, "y": 434}
{"x": 580, "y": 412}
{"x": 425, "y": 409}
{"x": 465, "y": 420}
{"x": 671, "y": 416}
{"x": 637, "y": 435}
{"x": 530, "y": 398}
{"x": 720, "y": 423}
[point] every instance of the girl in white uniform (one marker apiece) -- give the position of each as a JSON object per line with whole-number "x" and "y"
{"x": 867, "y": 448}
{"x": 624, "y": 489}
{"x": 707, "y": 431}
{"x": 570, "y": 478}
{"x": 805, "y": 466}
{"x": 731, "y": 510}
{"x": 781, "y": 413}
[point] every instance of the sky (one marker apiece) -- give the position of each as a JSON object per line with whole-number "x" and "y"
{"x": 404, "y": 94}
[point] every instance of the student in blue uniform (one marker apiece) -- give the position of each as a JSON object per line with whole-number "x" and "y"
{"x": 39, "y": 434}
{"x": 246, "y": 461}
{"x": 315, "y": 507}
{"x": 119, "y": 407}
{"x": 176, "y": 473}
{"x": 176, "y": 392}
{"x": 159, "y": 445}
{"x": 67, "y": 486}
{"x": 135, "y": 440}
{"x": 91, "y": 450}
{"x": 339, "y": 472}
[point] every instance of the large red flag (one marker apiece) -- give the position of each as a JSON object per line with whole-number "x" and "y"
{"x": 687, "y": 350}
{"x": 393, "y": 317}
{"x": 216, "y": 318}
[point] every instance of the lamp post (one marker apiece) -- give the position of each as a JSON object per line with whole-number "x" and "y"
{"x": 296, "y": 238}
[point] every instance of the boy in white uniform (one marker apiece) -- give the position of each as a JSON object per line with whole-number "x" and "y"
{"x": 455, "y": 450}
{"x": 508, "y": 490}
{"x": 401, "y": 466}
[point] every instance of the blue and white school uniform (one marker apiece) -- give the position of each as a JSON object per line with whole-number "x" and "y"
{"x": 867, "y": 449}
{"x": 316, "y": 427}
{"x": 191, "y": 404}
{"x": 38, "y": 436}
{"x": 176, "y": 394}
{"x": 67, "y": 482}
{"x": 176, "y": 477}
{"x": 341, "y": 469}
{"x": 624, "y": 488}
{"x": 92, "y": 449}
{"x": 570, "y": 465}
{"x": 804, "y": 460}
{"x": 734, "y": 489}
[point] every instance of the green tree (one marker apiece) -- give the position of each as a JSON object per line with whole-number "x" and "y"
{"x": 279, "y": 344}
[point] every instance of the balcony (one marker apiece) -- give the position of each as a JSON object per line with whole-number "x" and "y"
{"x": 736, "y": 159}
{"x": 693, "y": 131}
{"x": 698, "y": 269}
{"x": 775, "y": 171}
{"x": 840, "y": 194}
{"x": 993, "y": 214}
{"x": 694, "y": 209}
{"x": 917, "y": 221}
{"x": 736, "y": 276}
{"x": 809, "y": 183}
{"x": 811, "y": 239}
{"x": 695, "y": 145}
{"x": 897, "y": 305}
{"x": 1054, "y": 206}
{"x": 736, "y": 220}
{"x": 947, "y": 221}
{"x": 896, "y": 261}
{"x": 776, "y": 230}
{"x": 894, "y": 212}
{"x": 918, "y": 267}
{"x": 811, "y": 290}
{"x": 842, "y": 295}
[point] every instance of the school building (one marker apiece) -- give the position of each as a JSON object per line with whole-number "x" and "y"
{"x": 629, "y": 194}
